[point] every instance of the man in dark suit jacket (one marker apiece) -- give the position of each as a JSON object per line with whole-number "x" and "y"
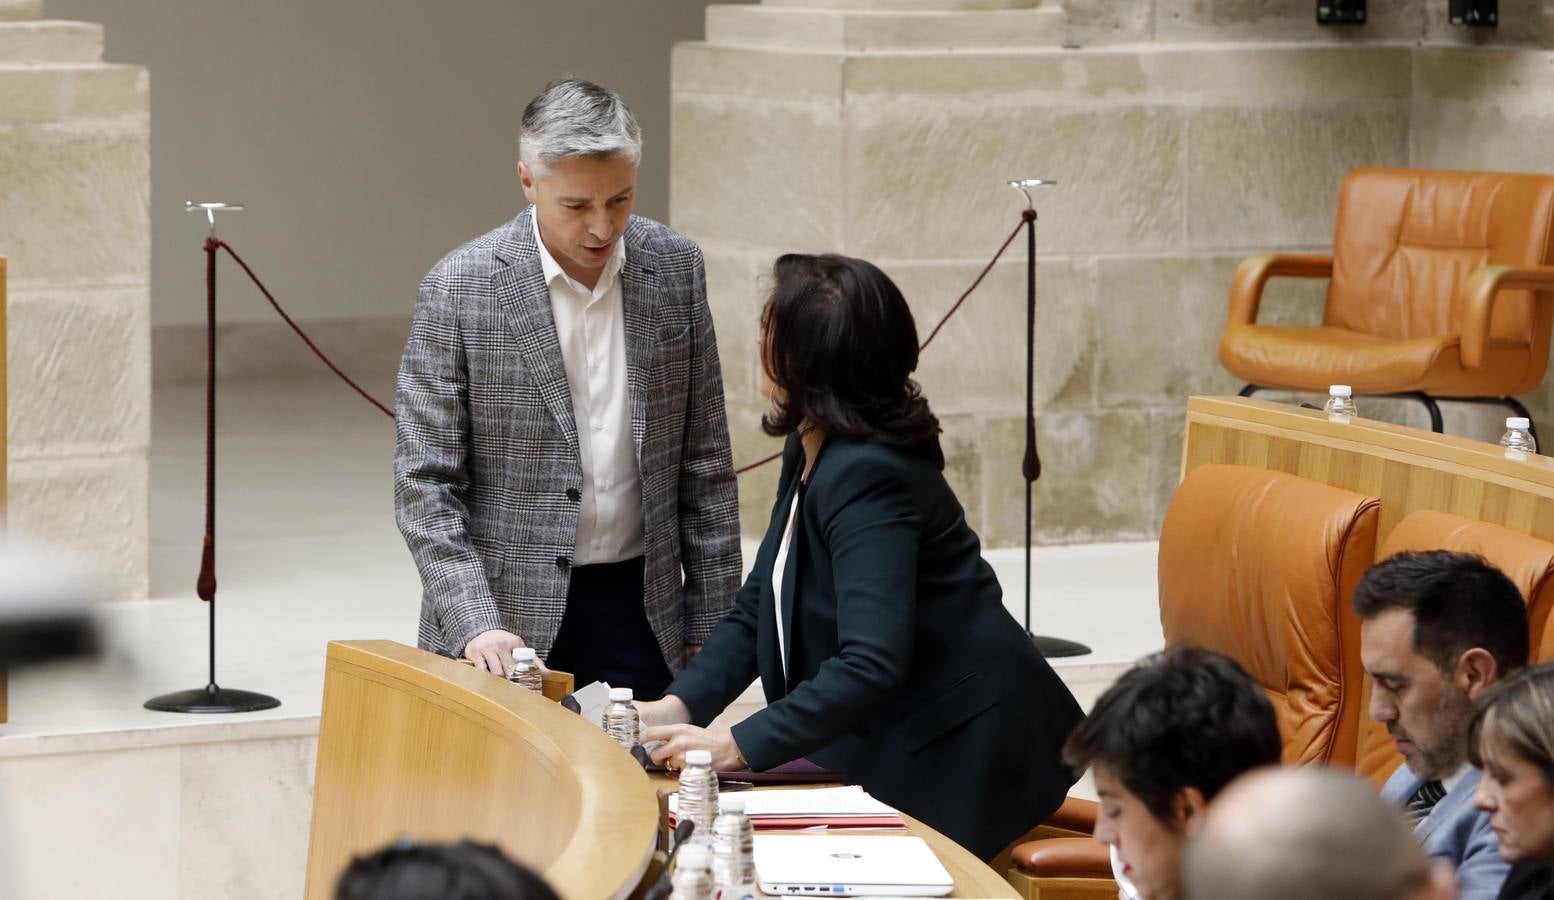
{"x": 563, "y": 474}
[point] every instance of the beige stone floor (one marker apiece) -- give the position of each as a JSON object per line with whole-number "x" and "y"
{"x": 183, "y": 806}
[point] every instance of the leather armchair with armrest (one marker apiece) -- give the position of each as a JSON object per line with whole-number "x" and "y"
{"x": 1439, "y": 288}
{"x": 1258, "y": 565}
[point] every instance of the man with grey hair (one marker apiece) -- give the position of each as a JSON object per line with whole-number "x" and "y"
{"x": 563, "y": 475}
{"x": 1298, "y": 834}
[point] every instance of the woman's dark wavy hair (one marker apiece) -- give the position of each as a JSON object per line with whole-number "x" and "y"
{"x": 842, "y": 346}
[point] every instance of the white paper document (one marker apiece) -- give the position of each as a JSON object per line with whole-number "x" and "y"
{"x": 841, "y": 802}
{"x": 593, "y": 699}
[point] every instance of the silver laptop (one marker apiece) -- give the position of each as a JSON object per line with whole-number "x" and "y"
{"x": 836, "y": 865}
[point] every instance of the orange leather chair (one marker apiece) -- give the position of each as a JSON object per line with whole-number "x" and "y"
{"x": 1259, "y": 565}
{"x": 1432, "y": 291}
{"x": 1528, "y": 561}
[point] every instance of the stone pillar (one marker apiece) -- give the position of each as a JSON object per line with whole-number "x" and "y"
{"x": 890, "y": 134}
{"x": 74, "y": 203}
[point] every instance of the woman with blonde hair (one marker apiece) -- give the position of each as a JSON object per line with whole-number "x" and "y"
{"x": 1511, "y": 737}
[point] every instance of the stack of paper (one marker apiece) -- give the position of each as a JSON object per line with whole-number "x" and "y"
{"x": 822, "y": 808}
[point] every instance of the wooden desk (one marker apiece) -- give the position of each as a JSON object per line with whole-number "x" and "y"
{"x": 1407, "y": 469}
{"x": 412, "y": 744}
{"x": 973, "y": 877}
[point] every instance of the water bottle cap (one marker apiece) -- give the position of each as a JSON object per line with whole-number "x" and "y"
{"x": 698, "y": 757}
{"x": 524, "y": 654}
{"x": 1340, "y": 390}
{"x": 694, "y": 856}
{"x": 1518, "y": 423}
{"x": 731, "y": 803}
{"x": 620, "y": 695}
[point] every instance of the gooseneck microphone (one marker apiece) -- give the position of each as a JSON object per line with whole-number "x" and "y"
{"x": 664, "y": 886}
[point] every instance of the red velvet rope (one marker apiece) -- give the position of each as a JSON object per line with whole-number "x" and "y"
{"x": 298, "y": 329}
{"x": 1029, "y": 214}
{"x": 213, "y": 243}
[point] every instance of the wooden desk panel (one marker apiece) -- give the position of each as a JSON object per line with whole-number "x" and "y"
{"x": 414, "y": 744}
{"x": 1408, "y": 469}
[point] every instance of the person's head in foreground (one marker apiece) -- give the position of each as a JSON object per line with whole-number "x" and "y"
{"x": 1511, "y": 737}
{"x": 838, "y": 348}
{"x": 1161, "y": 743}
{"x": 462, "y": 871}
{"x": 1437, "y": 629}
{"x": 1301, "y": 834}
{"x": 577, "y": 162}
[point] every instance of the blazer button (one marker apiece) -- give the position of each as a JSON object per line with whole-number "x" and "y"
{"x": 574, "y": 494}
{"x": 562, "y": 562}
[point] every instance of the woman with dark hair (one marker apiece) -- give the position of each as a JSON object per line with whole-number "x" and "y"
{"x": 877, "y": 629}
{"x": 1511, "y": 737}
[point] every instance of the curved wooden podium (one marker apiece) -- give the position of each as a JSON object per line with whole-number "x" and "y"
{"x": 415, "y": 745}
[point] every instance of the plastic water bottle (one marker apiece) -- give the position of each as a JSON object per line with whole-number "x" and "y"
{"x": 620, "y": 718}
{"x": 1340, "y": 403}
{"x": 698, "y": 795}
{"x": 1518, "y": 435}
{"x": 733, "y": 850}
{"x": 691, "y": 880}
{"x": 526, "y": 670}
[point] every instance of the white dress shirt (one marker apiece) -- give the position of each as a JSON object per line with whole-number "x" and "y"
{"x": 591, "y": 326}
{"x": 1125, "y": 888}
{"x": 1451, "y": 781}
{"x": 779, "y": 569}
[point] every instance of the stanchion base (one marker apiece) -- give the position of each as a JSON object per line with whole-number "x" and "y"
{"x": 1057, "y": 648}
{"x": 212, "y": 699}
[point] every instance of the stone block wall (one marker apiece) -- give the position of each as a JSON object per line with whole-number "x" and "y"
{"x": 1184, "y": 137}
{"x": 74, "y": 223}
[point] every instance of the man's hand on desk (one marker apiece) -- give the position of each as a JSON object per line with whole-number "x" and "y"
{"x": 492, "y": 651}
{"x": 677, "y": 739}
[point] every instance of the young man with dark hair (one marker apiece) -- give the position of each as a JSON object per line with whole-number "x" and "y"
{"x": 1162, "y": 742}
{"x": 462, "y": 871}
{"x": 1437, "y": 630}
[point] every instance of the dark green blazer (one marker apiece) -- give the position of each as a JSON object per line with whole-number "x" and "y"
{"x": 905, "y": 672}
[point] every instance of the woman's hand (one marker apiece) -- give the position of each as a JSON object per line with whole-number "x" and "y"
{"x": 677, "y": 739}
{"x": 669, "y": 711}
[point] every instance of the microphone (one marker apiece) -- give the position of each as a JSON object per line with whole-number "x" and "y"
{"x": 640, "y": 754}
{"x": 663, "y": 886}
{"x": 570, "y": 702}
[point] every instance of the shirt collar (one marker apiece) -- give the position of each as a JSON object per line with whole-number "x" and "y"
{"x": 1455, "y": 778}
{"x": 553, "y": 270}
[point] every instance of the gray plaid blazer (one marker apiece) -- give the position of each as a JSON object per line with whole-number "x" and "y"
{"x": 486, "y": 463}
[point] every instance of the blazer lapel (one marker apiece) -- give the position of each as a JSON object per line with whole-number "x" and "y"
{"x": 639, "y": 303}
{"x": 1401, "y": 786}
{"x": 525, "y": 298}
{"x": 1450, "y": 807}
